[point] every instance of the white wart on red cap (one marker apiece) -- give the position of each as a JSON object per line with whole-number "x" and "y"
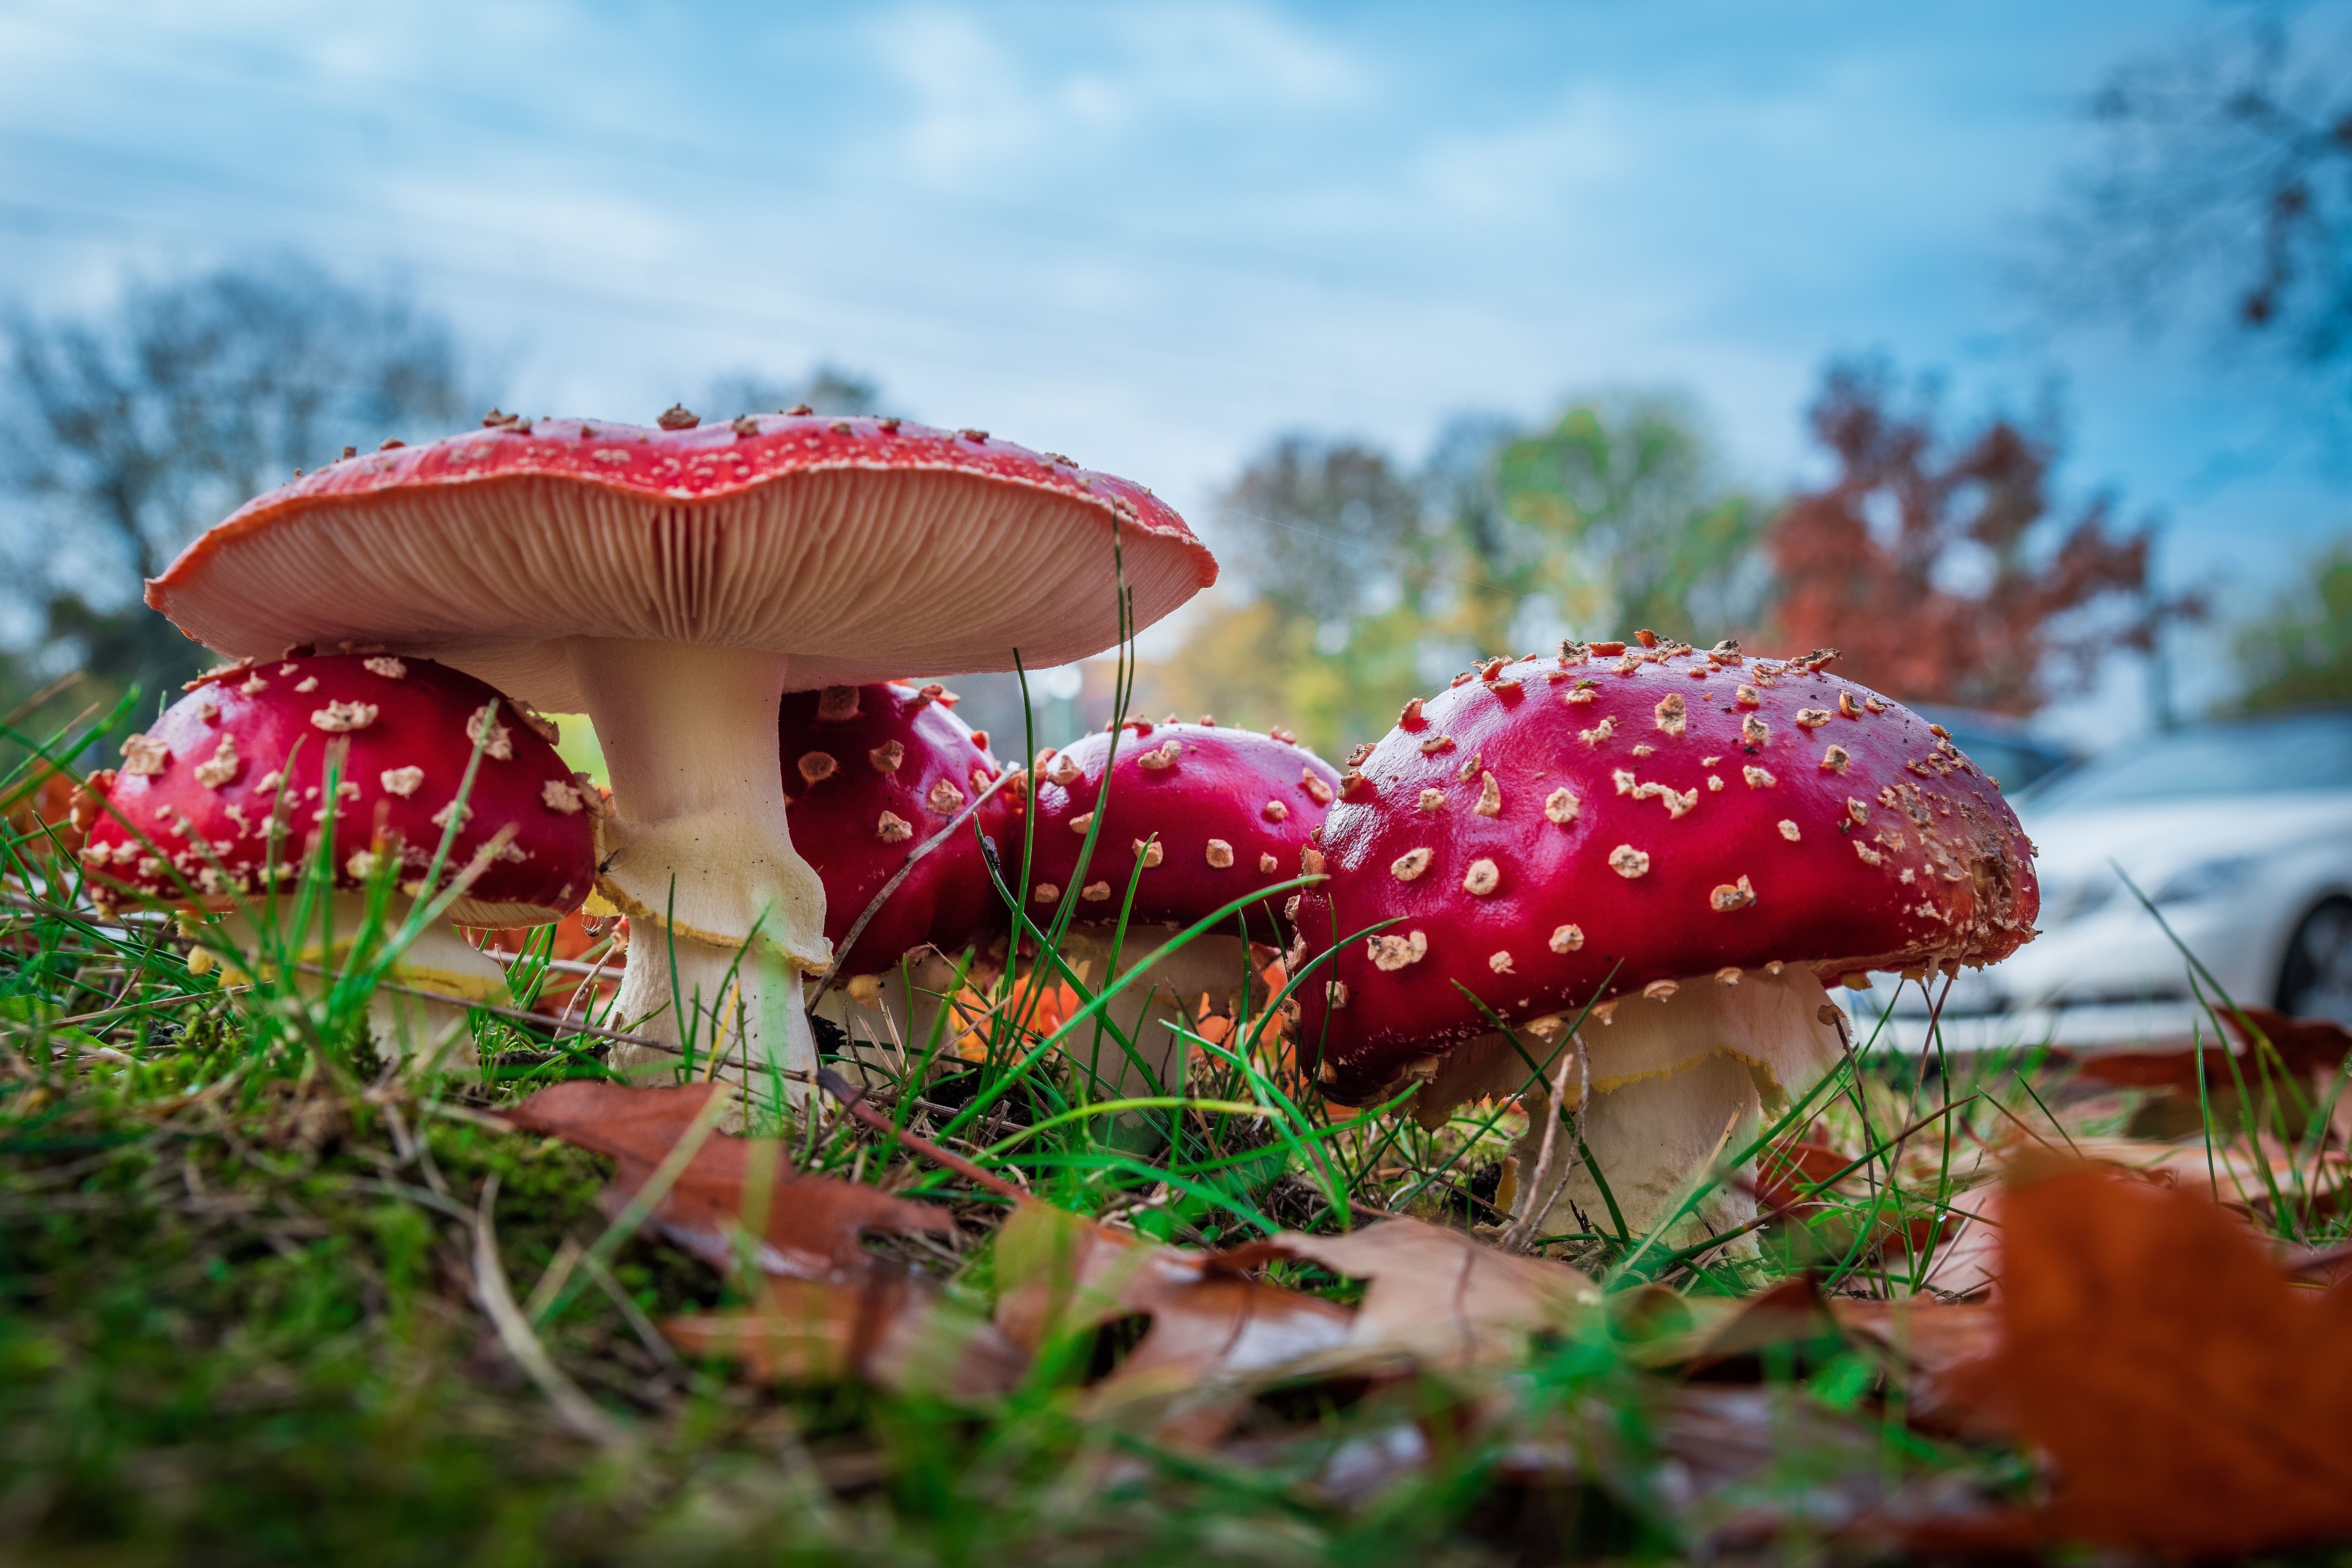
{"x": 673, "y": 583}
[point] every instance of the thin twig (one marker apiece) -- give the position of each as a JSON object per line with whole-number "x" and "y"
{"x": 854, "y": 1103}
{"x": 1539, "y": 1201}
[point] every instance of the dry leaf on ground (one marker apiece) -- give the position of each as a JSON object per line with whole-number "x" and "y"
{"x": 1061, "y": 1274}
{"x": 1789, "y": 1166}
{"x": 2191, "y": 1399}
{"x": 2229, "y": 1173}
{"x": 2305, "y": 1044}
{"x": 1436, "y": 1296}
{"x": 1933, "y": 1346}
{"x": 1790, "y": 1314}
{"x": 811, "y": 1224}
{"x": 891, "y": 1328}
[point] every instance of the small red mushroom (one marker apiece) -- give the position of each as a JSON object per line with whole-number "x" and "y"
{"x": 1691, "y": 858}
{"x": 219, "y": 805}
{"x": 1210, "y": 813}
{"x": 870, "y": 773}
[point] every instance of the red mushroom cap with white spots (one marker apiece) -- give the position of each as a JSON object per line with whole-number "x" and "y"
{"x": 871, "y": 772}
{"x": 202, "y": 785}
{"x": 801, "y": 535}
{"x": 1232, "y": 811}
{"x": 1561, "y": 831}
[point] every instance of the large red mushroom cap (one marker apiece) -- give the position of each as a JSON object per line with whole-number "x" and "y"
{"x": 871, "y": 772}
{"x": 256, "y": 742}
{"x": 821, "y": 539}
{"x": 1212, "y": 811}
{"x": 673, "y": 583}
{"x": 1561, "y": 831}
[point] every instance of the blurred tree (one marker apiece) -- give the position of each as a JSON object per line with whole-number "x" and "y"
{"x": 2226, "y": 169}
{"x": 827, "y": 389}
{"x": 1932, "y": 565}
{"x": 1618, "y": 517}
{"x": 125, "y": 435}
{"x": 1331, "y": 528}
{"x": 2302, "y": 651}
{"x": 1372, "y": 585}
{"x": 1327, "y": 538}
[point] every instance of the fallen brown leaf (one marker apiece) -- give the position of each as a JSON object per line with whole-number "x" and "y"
{"x": 1936, "y": 1347}
{"x": 811, "y": 1224}
{"x": 1437, "y": 1296}
{"x": 2305, "y": 1044}
{"x": 1210, "y": 1335}
{"x": 2190, "y": 1399}
{"x": 1786, "y": 1167}
{"x": 890, "y": 1329}
{"x": 1791, "y": 1313}
{"x": 1060, "y": 1274}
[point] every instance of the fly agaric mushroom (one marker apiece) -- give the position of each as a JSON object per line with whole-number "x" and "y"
{"x": 1211, "y": 811}
{"x": 1688, "y": 842}
{"x": 219, "y": 805}
{"x": 673, "y": 583}
{"x": 871, "y": 772}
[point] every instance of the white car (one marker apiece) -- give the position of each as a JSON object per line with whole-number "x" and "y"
{"x": 2238, "y": 832}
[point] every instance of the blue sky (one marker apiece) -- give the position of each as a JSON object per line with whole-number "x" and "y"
{"x": 1154, "y": 235}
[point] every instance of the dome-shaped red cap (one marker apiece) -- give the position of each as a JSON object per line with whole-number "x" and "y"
{"x": 871, "y": 772}
{"x": 859, "y": 547}
{"x": 1556, "y": 826}
{"x": 1234, "y": 811}
{"x": 252, "y": 741}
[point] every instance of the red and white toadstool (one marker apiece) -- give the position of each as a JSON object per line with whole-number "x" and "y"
{"x": 221, "y": 803}
{"x": 673, "y": 583}
{"x": 872, "y": 773}
{"x": 1210, "y": 813}
{"x": 1689, "y": 842}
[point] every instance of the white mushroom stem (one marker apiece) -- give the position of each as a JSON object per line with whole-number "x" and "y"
{"x": 1677, "y": 1085}
{"x": 1166, "y": 995}
{"x": 890, "y": 1017}
{"x": 429, "y": 1031}
{"x": 699, "y": 856}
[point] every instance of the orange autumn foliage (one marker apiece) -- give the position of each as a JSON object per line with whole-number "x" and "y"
{"x": 1924, "y": 561}
{"x": 2189, "y": 1396}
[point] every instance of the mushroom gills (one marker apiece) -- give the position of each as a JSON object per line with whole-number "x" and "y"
{"x": 427, "y": 1032}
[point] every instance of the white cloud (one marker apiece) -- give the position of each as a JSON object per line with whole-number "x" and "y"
{"x": 1584, "y": 143}
{"x": 983, "y": 95}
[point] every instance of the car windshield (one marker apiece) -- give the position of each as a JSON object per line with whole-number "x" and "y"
{"x": 2306, "y": 752}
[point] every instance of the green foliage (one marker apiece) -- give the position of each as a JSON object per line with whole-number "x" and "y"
{"x": 1371, "y": 585}
{"x": 2302, "y": 650}
{"x": 1621, "y": 521}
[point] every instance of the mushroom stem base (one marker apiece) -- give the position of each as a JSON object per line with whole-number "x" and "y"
{"x": 1652, "y": 1140}
{"x": 735, "y": 1012}
{"x": 1167, "y": 996}
{"x": 890, "y": 1019}
{"x": 427, "y": 1032}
